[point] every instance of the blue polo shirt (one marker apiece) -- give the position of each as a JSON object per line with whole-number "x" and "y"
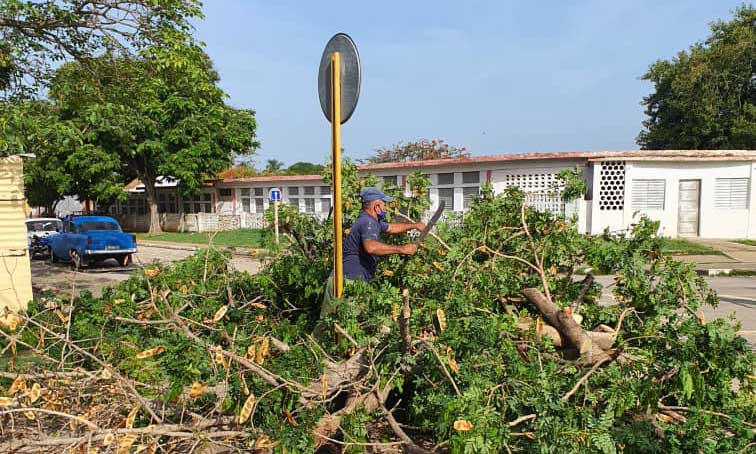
{"x": 358, "y": 264}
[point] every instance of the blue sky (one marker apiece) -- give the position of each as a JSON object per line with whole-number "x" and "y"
{"x": 494, "y": 76}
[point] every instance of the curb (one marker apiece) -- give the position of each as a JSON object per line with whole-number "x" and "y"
{"x": 726, "y": 272}
{"x": 193, "y": 248}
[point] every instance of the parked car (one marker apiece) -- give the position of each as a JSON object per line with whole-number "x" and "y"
{"x": 86, "y": 240}
{"x": 37, "y": 232}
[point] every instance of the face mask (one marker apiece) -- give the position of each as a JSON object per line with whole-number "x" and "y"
{"x": 381, "y": 215}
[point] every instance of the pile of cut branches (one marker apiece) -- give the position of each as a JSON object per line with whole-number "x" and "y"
{"x": 486, "y": 341}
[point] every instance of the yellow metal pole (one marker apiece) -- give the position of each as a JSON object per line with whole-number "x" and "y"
{"x": 338, "y": 264}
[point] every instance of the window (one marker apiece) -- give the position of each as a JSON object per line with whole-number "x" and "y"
{"x": 445, "y": 178}
{"x": 309, "y": 205}
{"x": 612, "y": 186}
{"x": 469, "y": 194}
{"x": 248, "y": 201}
{"x": 224, "y": 192}
{"x": 293, "y": 190}
{"x": 136, "y": 206}
{"x": 471, "y": 177}
{"x": 99, "y": 226}
{"x": 167, "y": 202}
{"x": 309, "y": 190}
{"x": 446, "y": 195}
{"x": 200, "y": 203}
{"x": 294, "y": 203}
{"x": 390, "y": 180}
{"x": 648, "y": 194}
{"x": 325, "y": 205}
{"x": 731, "y": 193}
{"x": 259, "y": 205}
{"x": 325, "y": 190}
{"x": 258, "y": 192}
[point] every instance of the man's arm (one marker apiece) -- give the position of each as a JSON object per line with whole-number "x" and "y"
{"x": 401, "y": 227}
{"x": 375, "y": 247}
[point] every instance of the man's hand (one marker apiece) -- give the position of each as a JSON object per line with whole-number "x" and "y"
{"x": 419, "y": 226}
{"x": 408, "y": 249}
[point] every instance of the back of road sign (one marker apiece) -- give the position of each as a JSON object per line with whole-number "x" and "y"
{"x": 350, "y": 76}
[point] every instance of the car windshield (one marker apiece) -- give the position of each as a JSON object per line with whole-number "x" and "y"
{"x": 43, "y": 226}
{"x": 98, "y": 225}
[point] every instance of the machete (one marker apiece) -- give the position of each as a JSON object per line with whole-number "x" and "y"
{"x": 433, "y": 220}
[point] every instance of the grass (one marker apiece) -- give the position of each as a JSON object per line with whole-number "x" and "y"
{"x": 251, "y": 238}
{"x": 679, "y": 246}
{"x": 746, "y": 242}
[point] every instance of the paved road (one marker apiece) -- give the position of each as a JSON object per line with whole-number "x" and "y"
{"x": 60, "y": 278}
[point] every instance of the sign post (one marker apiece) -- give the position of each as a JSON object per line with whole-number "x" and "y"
{"x": 275, "y": 197}
{"x": 338, "y": 89}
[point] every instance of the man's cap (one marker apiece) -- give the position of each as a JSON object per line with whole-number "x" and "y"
{"x": 371, "y": 194}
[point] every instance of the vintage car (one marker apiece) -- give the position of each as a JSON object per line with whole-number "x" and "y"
{"x": 86, "y": 240}
{"x": 37, "y": 232}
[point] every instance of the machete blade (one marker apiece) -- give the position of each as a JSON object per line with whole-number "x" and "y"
{"x": 436, "y": 216}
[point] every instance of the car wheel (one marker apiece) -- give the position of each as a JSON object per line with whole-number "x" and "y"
{"x": 53, "y": 257}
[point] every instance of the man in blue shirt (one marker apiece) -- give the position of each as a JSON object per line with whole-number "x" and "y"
{"x": 362, "y": 247}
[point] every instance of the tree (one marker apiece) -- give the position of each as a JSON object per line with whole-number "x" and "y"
{"x": 273, "y": 166}
{"x": 705, "y": 98}
{"x": 161, "y": 113}
{"x": 420, "y": 150}
{"x": 304, "y": 168}
{"x": 34, "y": 34}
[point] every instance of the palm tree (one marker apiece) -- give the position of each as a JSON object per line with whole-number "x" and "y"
{"x": 273, "y": 165}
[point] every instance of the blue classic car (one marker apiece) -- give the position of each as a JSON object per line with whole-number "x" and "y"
{"x": 86, "y": 240}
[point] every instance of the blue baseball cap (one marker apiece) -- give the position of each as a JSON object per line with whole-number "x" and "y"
{"x": 371, "y": 194}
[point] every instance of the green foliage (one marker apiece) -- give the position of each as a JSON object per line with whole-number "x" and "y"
{"x": 575, "y": 186}
{"x": 705, "y": 98}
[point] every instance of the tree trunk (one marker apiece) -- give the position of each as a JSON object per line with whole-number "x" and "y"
{"x": 152, "y": 204}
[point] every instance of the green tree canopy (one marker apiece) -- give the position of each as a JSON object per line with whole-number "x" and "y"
{"x": 420, "y": 150}
{"x": 273, "y": 166}
{"x": 34, "y": 33}
{"x": 158, "y": 114}
{"x": 705, "y": 98}
{"x": 304, "y": 168}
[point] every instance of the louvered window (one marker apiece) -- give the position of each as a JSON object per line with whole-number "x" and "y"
{"x": 648, "y": 194}
{"x": 469, "y": 194}
{"x": 445, "y": 178}
{"x": 446, "y": 195}
{"x": 390, "y": 180}
{"x": 731, "y": 193}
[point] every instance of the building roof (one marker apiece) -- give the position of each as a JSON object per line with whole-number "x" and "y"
{"x": 271, "y": 178}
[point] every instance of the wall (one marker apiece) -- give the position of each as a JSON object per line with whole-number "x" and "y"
{"x": 15, "y": 272}
{"x": 713, "y": 222}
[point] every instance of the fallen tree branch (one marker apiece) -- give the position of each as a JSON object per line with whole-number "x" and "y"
{"x": 585, "y": 377}
{"x": 410, "y": 445}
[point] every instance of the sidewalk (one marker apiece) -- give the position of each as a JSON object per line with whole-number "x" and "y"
{"x": 737, "y": 258}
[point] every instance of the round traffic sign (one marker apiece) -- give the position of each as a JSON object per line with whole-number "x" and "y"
{"x": 350, "y": 76}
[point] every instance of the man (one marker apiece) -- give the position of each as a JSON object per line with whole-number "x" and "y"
{"x": 362, "y": 247}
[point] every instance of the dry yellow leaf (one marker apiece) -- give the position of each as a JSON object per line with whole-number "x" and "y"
{"x": 701, "y": 317}
{"x": 93, "y": 450}
{"x": 290, "y": 418}
{"x": 258, "y": 305}
{"x": 150, "y": 352}
{"x": 246, "y": 410}
{"x": 245, "y": 389}
{"x": 124, "y": 444}
{"x": 61, "y": 317}
{"x": 553, "y": 270}
{"x": 197, "y": 390}
{"x": 151, "y": 272}
{"x": 462, "y": 425}
{"x": 10, "y": 320}
{"x": 539, "y": 327}
{"x": 441, "y": 316}
{"x": 219, "y": 314}
{"x": 19, "y": 384}
{"x": 264, "y": 443}
{"x": 131, "y": 417}
{"x": 263, "y": 351}
{"x": 105, "y": 374}
{"x": 251, "y": 352}
{"x": 34, "y": 393}
{"x": 394, "y": 312}
{"x": 346, "y": 205}
{"x": 108, "y": 439}
{"x": 184, "y": 289}
{"x": 324, "y": 383}
{"x": 453, "y": 365}
{"x": 664, "y": 418}
{"x": 438, "y": 266}
{"x": 30, "y": 415}
{"x": 6, "y": 401}
{"x": 260, "y": 318}
{"x": 388, "y": 273}
{"x": 119, "y": 301}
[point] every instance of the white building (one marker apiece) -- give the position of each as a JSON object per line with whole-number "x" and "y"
{"x": 692, "y": 193}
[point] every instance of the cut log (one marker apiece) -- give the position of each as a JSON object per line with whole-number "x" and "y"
{"x": 602, "y": 339}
